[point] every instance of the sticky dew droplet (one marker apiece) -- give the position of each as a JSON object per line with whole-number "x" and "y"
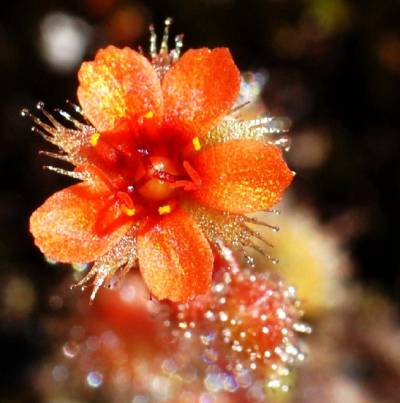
{"x": 75, "y": 107}
{"x": 273, "y": 211}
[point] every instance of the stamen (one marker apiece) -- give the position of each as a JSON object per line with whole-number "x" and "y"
{"x": 148, "y": 115}
{"x": 94, "y": 139}
{"x": 196, "y": 144}
{"x": 164, "y": 209}
{"x": 128, "y": 211}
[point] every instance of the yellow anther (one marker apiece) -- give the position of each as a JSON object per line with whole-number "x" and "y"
{"x": 164, "y": 209}
{"x": 128, "y": 211}
{"x": 196, "y": 144}
{"x": 95, "y": 139}
{"x": 148, "y": 115}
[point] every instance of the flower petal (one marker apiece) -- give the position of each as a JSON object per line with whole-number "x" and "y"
{"x": 241, "y": 176}
{"x": 199, "y": 91}
{"x": 118, "y": 80}
{"x": 175, "y": 258}
{"x": 78, "y": 224}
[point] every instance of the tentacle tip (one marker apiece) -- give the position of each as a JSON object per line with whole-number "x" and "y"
{"x": 179, "y": 40}
{"x": 25, "y": 112}
{"x": 93, "y": 294}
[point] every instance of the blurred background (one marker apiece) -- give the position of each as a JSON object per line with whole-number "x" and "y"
{"x": 332, "y": 67}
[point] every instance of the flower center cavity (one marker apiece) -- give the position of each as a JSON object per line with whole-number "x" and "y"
{"x": 154, "y": 177}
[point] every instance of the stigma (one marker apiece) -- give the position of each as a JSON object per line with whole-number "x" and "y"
{"x": 155, "y": 174}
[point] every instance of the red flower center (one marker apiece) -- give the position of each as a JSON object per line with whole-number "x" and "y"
{"x": 149, "y": 183}
{"x": 150, "y": 171}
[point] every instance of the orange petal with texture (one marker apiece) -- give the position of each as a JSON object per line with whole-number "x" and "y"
{"x": 78, "y": 224}
{"x": 116, "y": 81}
{"x": 175, "y": 258}
{"x": 241, "y": 176}
{"x": 199, "y": 91}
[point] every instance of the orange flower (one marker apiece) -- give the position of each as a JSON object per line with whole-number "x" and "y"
{"x": 164, "y": 175}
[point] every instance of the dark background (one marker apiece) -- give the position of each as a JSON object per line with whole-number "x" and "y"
{"x": 333, "y": 68}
